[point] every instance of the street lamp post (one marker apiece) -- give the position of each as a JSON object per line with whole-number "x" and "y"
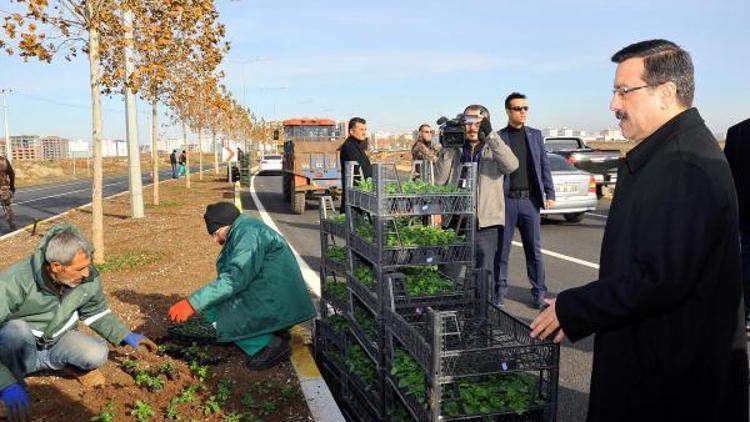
{"x": 8, "y": 156}
{"x": 243, "y": 63}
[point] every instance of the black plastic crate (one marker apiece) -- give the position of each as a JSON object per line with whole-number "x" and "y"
{"x": 472, "y": 341}
{"x": 394, "y": 205}
{"x": 334, "y": 292}
{"x": 367, "y": 329}
{"x": 332, "y": 227}
{"x": 391, "y": 196}
{"x": 412, "y": 255}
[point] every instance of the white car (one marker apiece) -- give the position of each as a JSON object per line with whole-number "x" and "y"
{"x": 575, "y": 190}
{"x": 270, "y": 164}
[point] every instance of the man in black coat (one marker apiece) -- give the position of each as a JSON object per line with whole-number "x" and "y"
{"x": 667, "y": 308}
{"x": 354, "y": 149}
{"x": 173, "y": 163}
{"x": 737, "y": 151}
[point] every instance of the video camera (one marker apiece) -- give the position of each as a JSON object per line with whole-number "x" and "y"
{"x": 452, "y": 133}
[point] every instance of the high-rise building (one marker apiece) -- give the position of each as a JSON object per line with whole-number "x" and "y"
{"x": 26, "y": 147}
{"x": 55, "y": 148}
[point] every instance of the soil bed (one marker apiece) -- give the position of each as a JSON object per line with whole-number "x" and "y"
{"x": 151, "y": 264}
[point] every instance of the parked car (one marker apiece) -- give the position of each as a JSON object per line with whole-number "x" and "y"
{"x": 270, "y": 164}
{"x": 575, "y": 190}
{"x": 602, "y": 163}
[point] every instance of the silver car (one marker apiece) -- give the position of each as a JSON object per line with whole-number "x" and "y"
{"x": 575, "y": 190}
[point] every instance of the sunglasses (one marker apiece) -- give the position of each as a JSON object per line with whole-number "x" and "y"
{"x": 519, "y": 108}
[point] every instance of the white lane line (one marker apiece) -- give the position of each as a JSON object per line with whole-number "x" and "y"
{"x": 312, "y": 278}
{"x": 67, "y": 193}
{"x": 591, "y": 214}
{"x": 564, "y": 257}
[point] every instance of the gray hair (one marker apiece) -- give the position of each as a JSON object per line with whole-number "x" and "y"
{"x": 64, "y": 246}
{"x": 663, "y": 61}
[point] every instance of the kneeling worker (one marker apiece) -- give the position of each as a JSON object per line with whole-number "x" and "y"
{"x": 258, "y": 293}
{"x": 42, "y": 298}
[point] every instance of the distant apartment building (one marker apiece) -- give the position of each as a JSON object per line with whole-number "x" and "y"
{"x": 55, "y": 148}
{"x": 26, "y": 147}
{"x": 610, "y": 135}
{"x": 114, "y": 148}
{"x": 79, "y": 149}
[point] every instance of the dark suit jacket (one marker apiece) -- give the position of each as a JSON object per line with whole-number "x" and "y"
{"x": 542, "y": 187}
{"x": 737, "y": 150}
{"x": 670, "y": 342}
{"x": 352, "y": 150}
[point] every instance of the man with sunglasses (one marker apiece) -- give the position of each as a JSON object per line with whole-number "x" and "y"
{"x": 527, "y": 189}
{"x": 667, "y": 307}
{"x": 494, "y": 161}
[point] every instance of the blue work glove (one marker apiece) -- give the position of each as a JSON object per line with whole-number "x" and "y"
{"x": 16, "y": 403}
{"x": 135, "y": 339}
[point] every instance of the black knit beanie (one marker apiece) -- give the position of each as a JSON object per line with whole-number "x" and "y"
{"x": 219, "y": 215}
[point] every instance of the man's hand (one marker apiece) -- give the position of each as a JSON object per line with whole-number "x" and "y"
{"x": 135, "y": 340}
{"x": 549, "y": 204}
{"x": 16, "y": 403}
{"x": 546, "y": 323}
{"x": 181, "y": 311}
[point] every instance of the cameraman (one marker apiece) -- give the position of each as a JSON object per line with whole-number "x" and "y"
{"x": 494, "y": 160}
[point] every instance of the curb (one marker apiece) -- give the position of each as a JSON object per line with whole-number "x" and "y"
{"x": 317, "y": 394}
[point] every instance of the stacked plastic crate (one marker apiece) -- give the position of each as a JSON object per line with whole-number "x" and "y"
{"x": 393, "y": 333}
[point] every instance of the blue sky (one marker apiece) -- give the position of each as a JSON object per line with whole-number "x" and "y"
{"x": 399, "y": 63}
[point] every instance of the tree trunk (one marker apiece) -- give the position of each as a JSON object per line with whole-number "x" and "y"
{"x": 216, "y": 152}
{"x": 200, "y": 155}
{"x": 187, "y": 156}
{"x": 131, "y": 127}
{"x": 154, "y": 150}
{"x": 97, "y": 210}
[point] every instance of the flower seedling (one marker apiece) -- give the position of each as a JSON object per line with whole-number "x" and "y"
{"x": 107, "y": 414}
{"x": 142, "y": 411}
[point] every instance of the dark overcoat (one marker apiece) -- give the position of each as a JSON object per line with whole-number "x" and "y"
{"x": 667, "y": 309}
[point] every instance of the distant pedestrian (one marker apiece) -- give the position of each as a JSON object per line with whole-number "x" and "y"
{"x": 667, "y": 307}
{"x": 7, "y": 190}
{"x": 423, "y": 150}
{"x": 173, "y": 162}
{"x": 527, "y": 190}
{"x": 354, "y": 149}
{"x": 737, "y": 151}
{"x": 183, "y": 160}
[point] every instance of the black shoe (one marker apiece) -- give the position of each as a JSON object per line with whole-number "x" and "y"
{"x": 539, "y": 302}
{"x": 276, "y": 352}
{"x": 499, "y": 302}
{"x": 284, "y": 334}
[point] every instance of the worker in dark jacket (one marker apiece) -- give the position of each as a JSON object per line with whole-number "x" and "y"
{"x": 42, "y": 298}
{"x": 354, "y": 149}
{"x": 258, "y": 293}
{"x": 737, "y": 151}
{"x": 667, "y": 307}
{"x": 173, "y": 163}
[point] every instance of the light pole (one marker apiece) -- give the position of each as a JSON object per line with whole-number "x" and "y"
{"x": 7, "y": 130}
{"x": 243, "y": 63}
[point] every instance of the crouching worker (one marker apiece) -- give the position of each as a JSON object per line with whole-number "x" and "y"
{"x": 42, "y": 298}
{"x": 258, "y": 293}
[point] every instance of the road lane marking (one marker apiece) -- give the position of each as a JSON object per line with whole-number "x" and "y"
{"x": 564, "y": 257}
{"x": 67, "y": 193}
{"x": 591, "y": 214}
{"x": 312, "y": 278}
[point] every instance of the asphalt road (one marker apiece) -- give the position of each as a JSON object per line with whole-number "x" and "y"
{"x": 578, "y": 246}
{"x": 44, "y": 201}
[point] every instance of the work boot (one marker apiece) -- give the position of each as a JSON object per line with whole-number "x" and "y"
{"x": 88, "y": 379}
{"x": 274, "y": 353}
{"x": 284, "y": 334}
